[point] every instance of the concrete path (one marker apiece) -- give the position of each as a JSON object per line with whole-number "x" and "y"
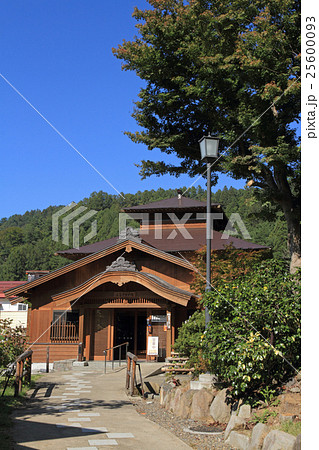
{"x": 85, "y": 409}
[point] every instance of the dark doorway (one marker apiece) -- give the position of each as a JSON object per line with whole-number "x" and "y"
{"x": 130, "y": 326}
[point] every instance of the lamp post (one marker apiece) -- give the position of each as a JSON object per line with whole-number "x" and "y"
{"x": 209, "y": 152}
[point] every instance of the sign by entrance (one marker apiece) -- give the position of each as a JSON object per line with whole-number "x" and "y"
{"x": 159, "y": 318}
{"x": 152, "y": 346}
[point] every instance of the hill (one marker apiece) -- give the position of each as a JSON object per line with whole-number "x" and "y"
{"x": 26, "y": 240}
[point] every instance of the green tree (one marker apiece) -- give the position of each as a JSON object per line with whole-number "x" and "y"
{"x": 230, "y": 68}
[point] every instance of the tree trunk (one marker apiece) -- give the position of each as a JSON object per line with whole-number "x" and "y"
{"x": 294, "y": 234}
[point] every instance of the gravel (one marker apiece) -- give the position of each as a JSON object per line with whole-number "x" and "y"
{"x": 152, "y": 410}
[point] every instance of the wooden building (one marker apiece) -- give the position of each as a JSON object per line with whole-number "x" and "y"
{"x": 126, "y": 288}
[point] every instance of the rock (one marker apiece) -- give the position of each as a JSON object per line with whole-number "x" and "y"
{"x": 287, "y": 417}
{"x": 169, "y": 401}
{"x": 278, "y": 440}
{"x": 244, "y": 411}
{"x": 295, "y": 389}
{"x": 257, "y": 436}
{"x": 297, "y": 444}
{"x": 184, "y": 408}
{"x": 290, "y": 383}
{"x": 238, "y": 441}
{"x": 298, "y": 376}
{"x": 234, "y": 422}
{"x": 177, "y": 398}
{"x": 219, "y": 409}
{"x": 164, "y": 391}
{"x": 205, "y": 380}
{"x": 201, "y": 403}
{"x": 195, "y": 385}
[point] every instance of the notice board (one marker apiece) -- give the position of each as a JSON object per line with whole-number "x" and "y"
{"x": 152, "y": 345}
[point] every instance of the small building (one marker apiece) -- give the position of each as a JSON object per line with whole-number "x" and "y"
{"x": 16, "y": 312}
{"x": 125, "y": 289}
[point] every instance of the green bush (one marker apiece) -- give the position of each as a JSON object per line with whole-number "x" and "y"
{"x": 12, "y": 342}
{"x": 189, "y": 341}
{"x": 253, "y": 339}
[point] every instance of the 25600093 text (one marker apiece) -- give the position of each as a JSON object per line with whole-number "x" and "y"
{"x": 310, "y": 47}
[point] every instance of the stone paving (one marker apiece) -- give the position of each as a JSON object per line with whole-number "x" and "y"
{"x": 86, "y": 409}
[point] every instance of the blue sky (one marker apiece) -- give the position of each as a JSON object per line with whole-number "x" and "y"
{"x": 58, "y": 54}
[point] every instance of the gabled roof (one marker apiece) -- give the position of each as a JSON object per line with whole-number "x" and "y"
{"x": 95, "y": 256}
{"x": 151, "y": 281}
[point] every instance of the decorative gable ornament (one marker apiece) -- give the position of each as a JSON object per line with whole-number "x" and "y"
{"x": 121, "y": 264}
{"x": 130, "y": 233}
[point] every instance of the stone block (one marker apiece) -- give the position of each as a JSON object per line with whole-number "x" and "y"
{"x": 80, "y": 363}
{"x": 220, "y": 409}
{"x": 184, "y": 408}
{"x": 278, "y": 440}
{"x": 238, "y": 441}
{"x": 257, "y": 436}
{"x": 64, "y": 365}
{"x": 244, "y": 412}
{"x": 234, "y": 422}
{"x": 164, "y": 391}
{"x": 207, "y": 378}
{"x": 201, "y": 403}
{"x": 195, "y": 385}
{"x": 176, "y": 400}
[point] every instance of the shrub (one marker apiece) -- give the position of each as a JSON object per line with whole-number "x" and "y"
{"x": 253, "y": 339}
{"x": 189, "y": 341}
{"x": 12, "y": 341}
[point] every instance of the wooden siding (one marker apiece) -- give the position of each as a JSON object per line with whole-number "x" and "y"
{"x": 57, "y": 352}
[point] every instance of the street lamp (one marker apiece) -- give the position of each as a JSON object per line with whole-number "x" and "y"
{"x": 209, "y": 152}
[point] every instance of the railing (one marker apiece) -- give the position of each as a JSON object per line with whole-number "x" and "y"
{"x": 23, "y": 371}
{"x": 120, "y": 354}
{"x": 131, "y": 373}
{"x": 65, "y": 332}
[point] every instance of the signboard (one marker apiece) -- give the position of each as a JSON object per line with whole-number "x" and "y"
{"x": 159, "y": 318}
{"x": 168, "y": 321}
{"x": 152, "y": 345}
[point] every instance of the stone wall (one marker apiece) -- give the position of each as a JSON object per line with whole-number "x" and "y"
{"x": 209, "y": 404}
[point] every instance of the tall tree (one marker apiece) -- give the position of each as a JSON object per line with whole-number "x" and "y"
{"x": 230, "y": 68}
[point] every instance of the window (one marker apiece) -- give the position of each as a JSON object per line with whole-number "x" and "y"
{"x": 65, "y": 326}
{"x": 22, "y": 307}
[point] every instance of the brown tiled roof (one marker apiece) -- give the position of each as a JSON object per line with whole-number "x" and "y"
{"x": 198, "y": 240}
{"x": 178, "y": 244}
{"x": 91, "y": 248}
{"x": 171, "y": 204}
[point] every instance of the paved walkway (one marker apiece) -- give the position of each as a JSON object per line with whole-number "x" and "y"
{"x": 85, "y": 409}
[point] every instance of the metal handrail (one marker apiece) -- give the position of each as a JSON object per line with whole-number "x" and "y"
{"x": 120, "y": 355}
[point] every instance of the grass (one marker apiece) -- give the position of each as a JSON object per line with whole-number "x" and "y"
{"x": 7, "y": 404}
{"x": 291, "y": 427}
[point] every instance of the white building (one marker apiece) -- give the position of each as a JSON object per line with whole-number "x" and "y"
{"x": 18, "y": 312}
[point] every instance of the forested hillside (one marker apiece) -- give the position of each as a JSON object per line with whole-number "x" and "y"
{"x": 26, "y": 240}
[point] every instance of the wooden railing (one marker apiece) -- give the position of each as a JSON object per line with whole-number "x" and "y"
{"x": 66, "y": 332}
{"x": 130, "y": 381}
{"x": 23, "y": 371}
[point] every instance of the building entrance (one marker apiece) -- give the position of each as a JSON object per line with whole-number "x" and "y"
{"x": 130, "y": 326}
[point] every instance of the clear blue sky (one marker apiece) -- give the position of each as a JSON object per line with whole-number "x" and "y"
{"x": 58, "y": 54}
